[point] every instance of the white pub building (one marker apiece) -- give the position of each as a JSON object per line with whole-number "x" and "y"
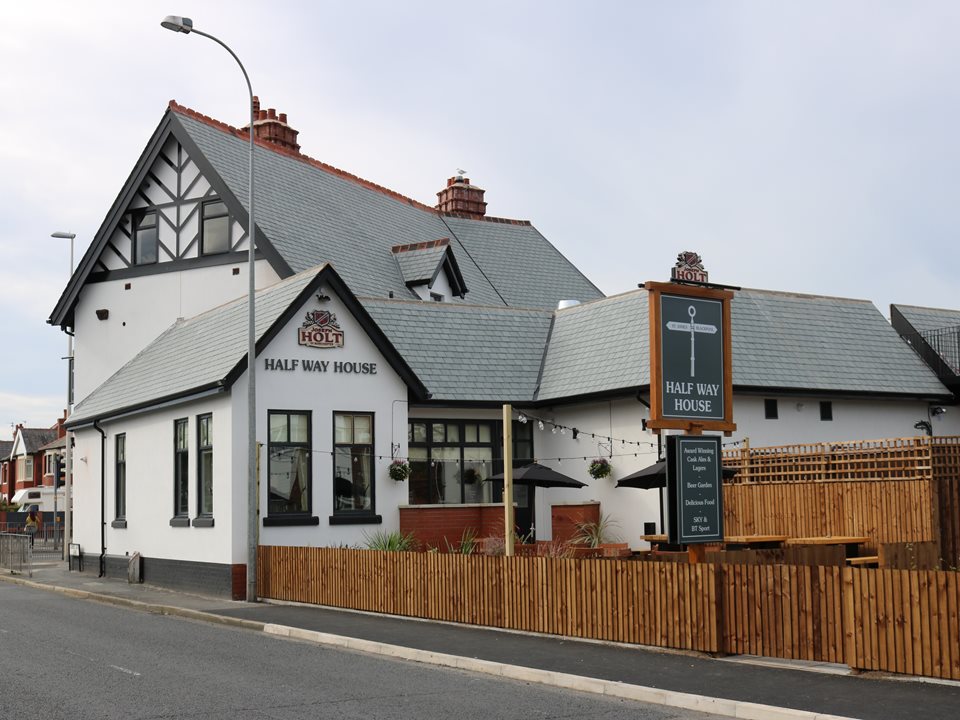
{"x": 390, "y": 329}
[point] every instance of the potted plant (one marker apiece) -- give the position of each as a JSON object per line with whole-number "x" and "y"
{"x": 399, "y": 470}
{"x": 470, "y": 476}
{"x": 599, "y": 468}
{"x": 600, "y": 538}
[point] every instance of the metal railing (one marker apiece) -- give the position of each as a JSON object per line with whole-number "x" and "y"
{"x": 946, "y": 343}
{"x": 16, "y": 553}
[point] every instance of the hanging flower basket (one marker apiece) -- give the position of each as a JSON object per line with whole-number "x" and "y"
{"x": 599, "y": 468}
{"x": 399, "y": 470}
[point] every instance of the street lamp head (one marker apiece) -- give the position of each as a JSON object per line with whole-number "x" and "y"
{"x": 63, "y": 235}
{"x": 177, "y": 23}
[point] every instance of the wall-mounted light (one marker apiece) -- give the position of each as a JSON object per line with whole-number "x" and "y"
{"x": 938, "y": 410}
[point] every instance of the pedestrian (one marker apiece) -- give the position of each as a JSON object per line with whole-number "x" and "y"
{"x": 32, "y": 524}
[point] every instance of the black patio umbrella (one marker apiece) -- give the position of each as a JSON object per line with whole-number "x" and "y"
{"x": 655, "y": 476}
{"x": 541, "y": 476}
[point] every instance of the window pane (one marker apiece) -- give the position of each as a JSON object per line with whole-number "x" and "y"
{"x": 289, "y": 483}
{"x": 453, "y": 433}
{"x": 419, "y": 480}
{"x": 470, "y": 433}
{"x": 343, "y": 429}
{"x": 483, "y": 433}
{"x": 353, "y": 479}
{"x": 205, "y": 440}
{"x": 181, "y": 487}
{"x": 216, "y": 235}
{"x": 445, "y": 475}
{"x": 181, "y": 442}
{"x": 439, "y": 434}
{"x": 145, "y": 239}
{"x": 477, "y": 465}
{"x": 362, "y": 429}
{"x": 213, "y": 209}
{"x": 206, "y": 482}
{"x": 298, "y": 428}
{"x": 278, "y": 427}
{"x": 418, "y": 432}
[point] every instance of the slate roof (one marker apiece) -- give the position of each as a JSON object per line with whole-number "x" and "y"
{"x": 925, "y": 319}
{"x": 466, "y": 352}
{"x": 56, "y": 443}
{"x": 35, "y": 438}
{"x": 6, "y": 447}
{"x": 313, "y": 213}
{"x": 780, "y": 341}
{"x": 191, "y": 356}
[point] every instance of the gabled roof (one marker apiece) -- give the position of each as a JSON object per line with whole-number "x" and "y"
{"x": 309, "y": 213}
{"x": 421, "y": 263}
{"x": 32, "y": 439}
{"x": 781, "y": 341}
{"x": 207, "y": 353}
{"x": 467, "y": 353}
{"x": 924, "y": 319}
{"x": 55, "y": 444}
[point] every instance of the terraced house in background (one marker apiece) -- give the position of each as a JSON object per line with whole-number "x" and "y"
{"x": 391, "y": 329}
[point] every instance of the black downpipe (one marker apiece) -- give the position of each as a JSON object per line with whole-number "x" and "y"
{"x": 103, "y": 498}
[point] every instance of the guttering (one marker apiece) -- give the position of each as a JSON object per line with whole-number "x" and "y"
{"x": 149, "y": 406}
{"x": 103, "y": 497}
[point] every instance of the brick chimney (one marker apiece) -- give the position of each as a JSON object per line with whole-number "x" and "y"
{"x": 462, "y": 198}
{"x": 272, "y": 128}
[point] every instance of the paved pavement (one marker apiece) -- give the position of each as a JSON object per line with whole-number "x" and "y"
{"x": 722, "y": 686}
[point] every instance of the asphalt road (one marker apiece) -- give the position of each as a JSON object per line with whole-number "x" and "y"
{"x": 71, "y": 659}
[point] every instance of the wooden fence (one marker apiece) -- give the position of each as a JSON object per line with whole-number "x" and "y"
{"x": 901, "y": 490}
{"x": 903, "y": 621}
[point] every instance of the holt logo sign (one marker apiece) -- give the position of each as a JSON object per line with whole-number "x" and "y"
{"x": 689, "y": 268}
{"x": 320, "y": 329}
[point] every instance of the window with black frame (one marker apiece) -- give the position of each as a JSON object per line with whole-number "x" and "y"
{"x": 353, "y": 480}
{"x": 450, "y": 461}
{"x": 181, "y": 469}
{"x": 145, "y": 239}
{"x": 215, "y": 228}
{"x": 120, "y": 477}
{"x": 288, "y": 463}
{"x": 204, "y": 465}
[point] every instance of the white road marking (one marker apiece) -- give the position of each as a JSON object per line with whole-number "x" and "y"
{"x": 125, "y": 670}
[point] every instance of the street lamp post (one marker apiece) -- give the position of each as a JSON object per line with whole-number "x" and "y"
{"x": 185, "y": 25}
{"x": 68, "y": 450}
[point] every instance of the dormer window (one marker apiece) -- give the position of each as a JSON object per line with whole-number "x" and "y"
{"x": 215, "y": 231}
{"x": 145, "y": 238}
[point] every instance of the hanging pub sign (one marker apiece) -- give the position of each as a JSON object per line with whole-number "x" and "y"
{"x": 694, "y": 489}
{"x": 691, "y": 379}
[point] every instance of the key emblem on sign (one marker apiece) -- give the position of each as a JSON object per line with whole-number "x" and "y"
{"x": 693, "y": 328}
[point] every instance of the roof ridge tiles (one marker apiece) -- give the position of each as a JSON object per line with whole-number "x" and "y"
{"x": 806, "y": 296}
{"x": 924, "y": 307}
{"x": 425, "y": 245}
{"x": 441, "y": 306}
{"x": 319, "y": 164}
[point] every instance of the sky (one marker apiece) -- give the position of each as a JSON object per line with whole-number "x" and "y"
{"x": 807, "y": 147}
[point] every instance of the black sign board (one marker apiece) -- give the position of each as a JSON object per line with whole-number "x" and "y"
{"x": 691, "y": 346}
{"x": 695, "y": 489}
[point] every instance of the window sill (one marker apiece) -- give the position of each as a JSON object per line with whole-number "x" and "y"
{"x": 119, "y": 524}
{"x": 292, "y": 520}
{"x": 356, "y": 520}
{"x": 203, "y": 521}
{"x": 179, "y": 522}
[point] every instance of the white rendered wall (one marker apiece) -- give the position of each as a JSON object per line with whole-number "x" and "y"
{"x": 383, "y": 394}
{"x": 441, "y": 286}
{"x": 149, "y": 453}
{"x": 139, "y": 315}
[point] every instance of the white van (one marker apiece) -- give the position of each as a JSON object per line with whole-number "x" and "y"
{"x": 42, "y": 497}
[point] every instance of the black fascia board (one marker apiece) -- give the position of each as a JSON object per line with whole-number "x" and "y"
{"x": 62, "y": 313}
{"x": 237, "y": 211}
{"x": 839, "y": 394}
{"x": 144, "y": 405}
{"x": 231, "y": 258}
{"x": 328, "y": 276}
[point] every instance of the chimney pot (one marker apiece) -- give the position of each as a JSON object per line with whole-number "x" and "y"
{"x": 256, "y": 105}
{"x": 283, "y": 118}
{"x": 272, "y": 113}
{"x": 274, "y": 130}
